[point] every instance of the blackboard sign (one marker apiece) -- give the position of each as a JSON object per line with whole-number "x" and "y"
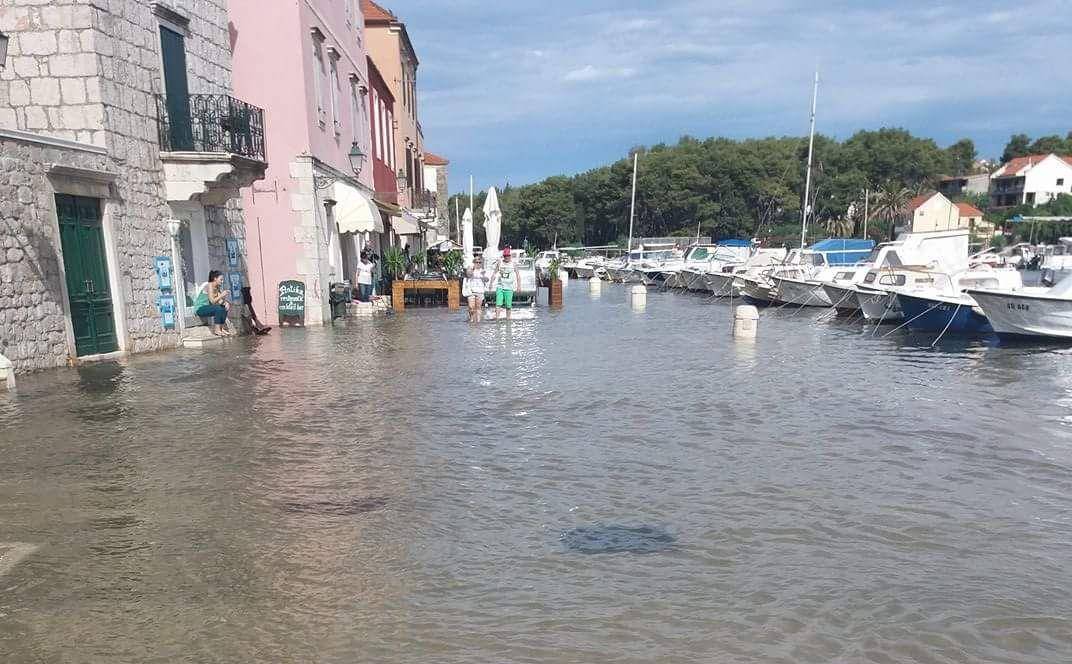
{"x": 291, "y": 299}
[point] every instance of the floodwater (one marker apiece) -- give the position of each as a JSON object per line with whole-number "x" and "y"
{"x": 595, "y": 485}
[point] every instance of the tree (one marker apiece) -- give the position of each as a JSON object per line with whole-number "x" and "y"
{"x": 1054, "y": 144}
{"x": 1018, "y": 146}
{"x": 892, "y": 205}
{"x": 961, "y": 156}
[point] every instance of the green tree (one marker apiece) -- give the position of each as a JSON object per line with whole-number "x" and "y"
{"x": 961, "y": 156}
{"x": 1018, "y": 146}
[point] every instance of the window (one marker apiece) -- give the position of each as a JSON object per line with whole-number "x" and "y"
{"x": 349, "y": 4}
{"x": 354, "y": 119}
{"x": 335, "y": 119}
{"x": 1060, "y": 182}
{"x": 318, "y": 82}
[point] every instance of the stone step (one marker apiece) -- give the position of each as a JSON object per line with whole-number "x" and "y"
{"x": 7, "y": 374}
{"x": 201, "y": 337}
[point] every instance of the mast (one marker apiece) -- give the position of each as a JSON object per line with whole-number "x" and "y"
{"x": 807, "y": 176}
{"x": 632, "y": 208}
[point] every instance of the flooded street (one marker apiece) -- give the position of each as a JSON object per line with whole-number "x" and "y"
{"x": 594, "y": 485}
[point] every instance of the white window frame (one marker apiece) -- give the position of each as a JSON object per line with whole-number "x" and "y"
{"x": 354, "y": 123}
{"x": 336, "y": 119}
{"x": 318, "y": 81}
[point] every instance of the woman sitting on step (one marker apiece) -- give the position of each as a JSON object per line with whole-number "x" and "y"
{"x": 211, "y": 302}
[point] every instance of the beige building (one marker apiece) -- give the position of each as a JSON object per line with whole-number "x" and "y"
{"x": 932, "y": 212}
{"x": 390, "y": 48}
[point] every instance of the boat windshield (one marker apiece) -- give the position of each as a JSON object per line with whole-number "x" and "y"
{"x": 813, "y": 259}
{"x": 699, "y": 254}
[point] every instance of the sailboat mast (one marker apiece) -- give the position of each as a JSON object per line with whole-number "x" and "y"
{"x": 807, "y": 175}
{"x": 632, "y": 208}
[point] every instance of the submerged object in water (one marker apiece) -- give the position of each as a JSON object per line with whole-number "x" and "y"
{"x": 616, "y": 538}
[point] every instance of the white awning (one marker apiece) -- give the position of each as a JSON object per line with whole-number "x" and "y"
{"x": 404, "y": 225}
{"x": 354, "y": 211}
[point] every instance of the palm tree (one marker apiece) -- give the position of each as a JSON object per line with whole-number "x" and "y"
{"x": 891, "y": 204}
{"x": 839, "y": 227}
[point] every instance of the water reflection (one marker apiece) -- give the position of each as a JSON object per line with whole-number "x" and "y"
{"x": 415, "y": 488}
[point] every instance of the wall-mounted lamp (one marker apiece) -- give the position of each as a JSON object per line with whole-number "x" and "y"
{"x": 3, "y": 50}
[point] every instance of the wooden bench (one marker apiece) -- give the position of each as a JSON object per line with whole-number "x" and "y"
{"x": 400, "y": 286}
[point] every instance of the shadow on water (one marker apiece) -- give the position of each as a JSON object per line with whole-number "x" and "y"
{"x": 101, "y": 382}
{"x": 615, "y": 538}
{"x": 339, "y": 507}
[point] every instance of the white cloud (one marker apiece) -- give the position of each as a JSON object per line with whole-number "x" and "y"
{"x": 593, "y": 73}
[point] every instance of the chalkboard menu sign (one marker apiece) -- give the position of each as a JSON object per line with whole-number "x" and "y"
{"x": 291, "y": 299}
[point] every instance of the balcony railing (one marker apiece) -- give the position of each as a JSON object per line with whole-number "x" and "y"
{"x": 211, "y": 123}
{"x": 424, "y": 200}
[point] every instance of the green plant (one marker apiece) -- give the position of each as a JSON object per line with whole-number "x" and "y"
{"x": 394, "y": 262}
{"x": 452, "y": 263}
{"x": 553, "y": 266}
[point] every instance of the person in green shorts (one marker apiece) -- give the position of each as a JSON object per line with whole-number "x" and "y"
{"x": 507, "y": 280}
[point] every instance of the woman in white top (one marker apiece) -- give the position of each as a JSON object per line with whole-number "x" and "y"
{"x": 364, "y": 278}
{"x": 473, "y": 288}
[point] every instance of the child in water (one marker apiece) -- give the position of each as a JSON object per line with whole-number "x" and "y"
{"x": 474, "y": 287}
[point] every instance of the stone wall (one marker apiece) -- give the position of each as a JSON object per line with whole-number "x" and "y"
{"x": 33, "y": 333}
{"x": 90, "y": 72}
{"x": 442, "y": 197}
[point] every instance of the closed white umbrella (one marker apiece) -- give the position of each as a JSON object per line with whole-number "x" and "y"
{"x": 467, "y": 237}
{"x": 492, "y": 222}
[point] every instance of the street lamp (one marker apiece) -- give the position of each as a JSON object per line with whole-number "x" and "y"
{"x": 3, "y": 50}
{"x": 357, "y": 158}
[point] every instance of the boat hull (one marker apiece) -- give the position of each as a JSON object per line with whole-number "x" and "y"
{"x": 800, "y": 293}
{"x": 879, "y": 305}
{"x": 1019, "y": 315}
{"x": 758, "y": 292}
{"x": 722, "y": 284}
{"x": 925, "y": 314}
{"x": 842, "y": 298}
{"x": 584, "y": 272}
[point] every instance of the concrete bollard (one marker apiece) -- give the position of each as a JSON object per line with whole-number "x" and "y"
{"x": 595, "y": 285}
{"x": 7, "y": 374}
{"x": 638, "y": 296}
{"x": 745, "y": 322}
{"x": 563, "y": 276}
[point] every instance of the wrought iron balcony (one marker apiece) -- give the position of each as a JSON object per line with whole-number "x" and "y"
{"x": 424, "y": 200}
{"x": 211, "y": 123}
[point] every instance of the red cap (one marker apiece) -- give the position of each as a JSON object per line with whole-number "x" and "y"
{"x": 506, "y": 251}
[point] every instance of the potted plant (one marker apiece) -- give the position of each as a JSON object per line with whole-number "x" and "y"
{"x": 554, "y": 291}
{"x": 394, "y": 266}
{"x": 452, "y": 263}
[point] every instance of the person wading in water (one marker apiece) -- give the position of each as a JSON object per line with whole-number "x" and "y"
{"x": 507, "y": 280}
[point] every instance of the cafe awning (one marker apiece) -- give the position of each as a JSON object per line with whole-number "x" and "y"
{"x": 354, "y": 211}
{"x": 405, "y": 225}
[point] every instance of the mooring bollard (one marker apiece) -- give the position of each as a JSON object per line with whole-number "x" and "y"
{"x": 745, "y": 322}
{"x": 595, "y": 284}
{"x": 7, "y": 374}
{"x": 638, "y": 296}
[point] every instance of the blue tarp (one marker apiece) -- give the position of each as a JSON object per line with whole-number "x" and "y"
{"x": 844, "y": 251}
{"x": 734, "y": 243}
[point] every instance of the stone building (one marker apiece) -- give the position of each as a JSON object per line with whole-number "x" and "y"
{"x": 115, "y": 120}
{"x": 435, "y": 179}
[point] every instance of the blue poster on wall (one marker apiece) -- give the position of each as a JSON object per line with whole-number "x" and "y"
{"x": 166, "y": 304}
{"x": 235, "y": 279}
{"x": 163, "y": 272}
{"x": 232, "y": 252}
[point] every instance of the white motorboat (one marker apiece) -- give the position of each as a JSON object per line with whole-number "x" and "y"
{"x": 727, "y": 282}
{"x": 801, "y": 283}
{"x": 945, "y": 307}
{"x": 700, "y": 260}
{"x": 1028, "y": 311}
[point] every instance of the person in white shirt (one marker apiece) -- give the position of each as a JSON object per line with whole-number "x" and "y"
{"x": 473, "y": 288}
{"x": 364, "y": 278}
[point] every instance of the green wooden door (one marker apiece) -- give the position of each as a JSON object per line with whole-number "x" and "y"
{"x": 176, "y": 90}
{"x": 88, "y": 290}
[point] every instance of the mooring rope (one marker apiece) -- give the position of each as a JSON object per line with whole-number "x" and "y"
{"x": 912, "y": 319}
{"x": 955, "y": 311}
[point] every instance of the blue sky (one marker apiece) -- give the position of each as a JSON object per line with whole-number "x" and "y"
{"x": 517, "y": 91}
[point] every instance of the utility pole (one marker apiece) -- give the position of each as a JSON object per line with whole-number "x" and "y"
{"x": 867, "y": 195}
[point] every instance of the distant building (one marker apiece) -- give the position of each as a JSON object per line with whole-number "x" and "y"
{"x": 972, "y": 217}
{"x": 390, "y": 49}
{"x": 960, "y": 185}
{"x": 435, "y": 180}
{"x": 931, "y": 212}
{"x": 1031, "y": 180}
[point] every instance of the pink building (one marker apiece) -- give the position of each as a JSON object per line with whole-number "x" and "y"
{"x": 305, "y": 63}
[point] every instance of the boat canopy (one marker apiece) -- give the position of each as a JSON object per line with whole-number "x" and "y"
{"x": 843, "y": 251}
